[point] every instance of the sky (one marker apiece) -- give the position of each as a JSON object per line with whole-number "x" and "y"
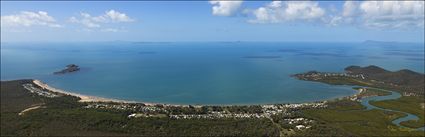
{"x": 169, "y": 21}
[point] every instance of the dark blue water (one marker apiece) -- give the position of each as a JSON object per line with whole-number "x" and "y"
{"x": 201, "y": 73}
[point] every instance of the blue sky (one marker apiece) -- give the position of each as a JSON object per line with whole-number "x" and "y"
{"x": 212, "y": 21}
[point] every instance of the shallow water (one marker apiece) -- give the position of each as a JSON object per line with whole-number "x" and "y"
{"x": 201, "y": 72}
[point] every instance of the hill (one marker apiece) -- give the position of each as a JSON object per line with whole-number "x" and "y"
{"x": 409, "y": 80}
{"x": 405, "y": 81}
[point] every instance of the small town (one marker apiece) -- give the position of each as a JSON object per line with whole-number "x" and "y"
{"x": 152, "y": 110}
{"x": 39, "y": 91}
{"x": 314, "y": 75}
{"x": 283, "y": 110}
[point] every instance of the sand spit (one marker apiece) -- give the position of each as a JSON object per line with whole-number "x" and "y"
{"x": 84, "y": 98}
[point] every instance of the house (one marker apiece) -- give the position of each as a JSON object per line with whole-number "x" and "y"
{"x": 300, "y": 127}
{"x": 132, "y": 115}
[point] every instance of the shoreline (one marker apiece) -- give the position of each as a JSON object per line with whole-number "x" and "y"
{"x": 94, "y": 99}
{"x": 88, "y": 98}
{"x": 84, "y": 98}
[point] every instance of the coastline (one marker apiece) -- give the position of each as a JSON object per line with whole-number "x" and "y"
{"x": 88, "y": 98}
{"x": 94, "y": 99}
{"x": 83, "y": 98}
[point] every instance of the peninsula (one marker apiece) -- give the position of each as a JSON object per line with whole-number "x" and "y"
{"x": 406, "y": 81}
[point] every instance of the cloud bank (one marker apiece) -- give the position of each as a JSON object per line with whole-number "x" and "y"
{"x": 22, "y": 21}
{"x": 278, "y": 12}
{"x": 392, "y": 14}
{"x": 110, "y": 16}
{"x": 28, "y": 19}
{"x": 365, "y": 14}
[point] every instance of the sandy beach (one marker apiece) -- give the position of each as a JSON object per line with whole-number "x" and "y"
{"x": 87, "y": 98}
{"x": 84, "y": 98}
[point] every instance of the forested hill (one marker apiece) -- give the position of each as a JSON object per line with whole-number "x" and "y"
{"x": 404, "y": 81}
{"x": 405, "y": 78}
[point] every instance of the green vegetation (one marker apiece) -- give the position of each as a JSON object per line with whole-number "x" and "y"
{"x": 374, "y": 92}
{"x": 350, "y": 120}
{"x": 371, "y": 76}
{"x": 116, "y": 122}
{"x": 344, "y": 81}
{"x": 345, "y": 105}
{"x": 65, "y": 116}
{"x": 402, "y": 80}
{"x": 204, "y": 109}
{"x": 409, "y": 104}
{"x": 351, "y": 117}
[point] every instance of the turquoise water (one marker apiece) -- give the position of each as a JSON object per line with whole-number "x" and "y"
{"x": 201, "y": 72}
{"x": 394, "y": 95}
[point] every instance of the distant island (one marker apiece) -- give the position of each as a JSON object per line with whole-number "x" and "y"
{"x": 69, "y": 68}
{"x": 376, "y": 42}
{"x": 261, "y": 57}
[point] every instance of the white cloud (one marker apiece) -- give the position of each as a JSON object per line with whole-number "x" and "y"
{"x": 116, "y": 16}
{"x": 350, "y": 8}
{"x": 109, "y": 30}
{"x": 382, "y": 14}
{"x": 364, "y": 14}
{"x": 28, "y": 19}
{"x": 335, "y": 20}
{"x": 348, "y": 15}
{"x": 86, "y": 21}
{"x": 110, "y": 16}
{"x": 278, "y": 11}
{"x": 225, "y": 8}
{"x": 392, "y": 14}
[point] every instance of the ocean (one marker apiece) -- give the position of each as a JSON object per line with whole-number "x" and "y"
{"x": 208, "y": 73}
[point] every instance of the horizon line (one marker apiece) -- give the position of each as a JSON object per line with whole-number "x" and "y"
{"x": 230, "y": 41}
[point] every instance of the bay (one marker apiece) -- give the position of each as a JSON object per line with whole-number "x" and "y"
{"x": 213, "y": 73}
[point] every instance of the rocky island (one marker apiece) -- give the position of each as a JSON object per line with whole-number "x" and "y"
{"x": 69, "y": 68}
